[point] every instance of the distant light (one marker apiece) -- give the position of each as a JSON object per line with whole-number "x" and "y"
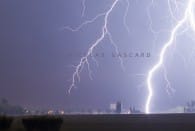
{"x": 50, "y": 112}
{"x": 61, "y": 112}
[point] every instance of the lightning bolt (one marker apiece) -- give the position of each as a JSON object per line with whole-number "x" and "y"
{"x": 188, "y": 18}
{"x": 105, "y": 32}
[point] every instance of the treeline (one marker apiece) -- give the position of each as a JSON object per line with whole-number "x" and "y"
{"x": 36, "y": 123}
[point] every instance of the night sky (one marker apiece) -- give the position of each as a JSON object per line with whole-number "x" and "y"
{"x": 37, "y": 55}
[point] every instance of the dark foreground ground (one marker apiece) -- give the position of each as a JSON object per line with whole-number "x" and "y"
{"x": 140, "y": 122}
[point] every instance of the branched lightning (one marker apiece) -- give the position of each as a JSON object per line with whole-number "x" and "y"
{"x": 169, "y": 89}
{"x": 125, "y": 16}
{"x": 168, "y": 86}
{"x": 84, "y": 23}
{"x": 84, "y": 8}
{"x": 84, "y": 60}
{"x": 188, "y": 18}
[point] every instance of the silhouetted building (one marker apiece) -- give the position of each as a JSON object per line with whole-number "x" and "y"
{"x": 190, "y": 108}
{"x": 132, "y": 110}
{"x": 118, "y": 107}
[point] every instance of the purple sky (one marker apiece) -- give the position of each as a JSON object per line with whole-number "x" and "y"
{"x": 36, "y": 55}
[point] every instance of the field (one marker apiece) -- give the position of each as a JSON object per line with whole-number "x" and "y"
{"x": 137, "y": 122}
